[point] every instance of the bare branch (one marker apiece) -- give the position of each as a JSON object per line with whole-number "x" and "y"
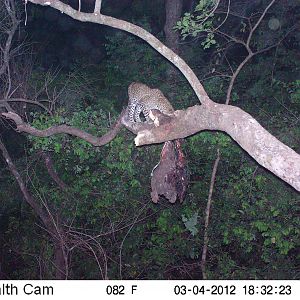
{"x": 231, "y": 38}
{"x": 234, "y": 76}
{"x": 96, "y": 141}
{"x": 207, "y": 213}
{"x": 10, "y": 32}
{"x": 250, "y": 51}
{"x": 258, "y": 22}
{"x": 25, "y": 101}
{"x": 98, "y": 4}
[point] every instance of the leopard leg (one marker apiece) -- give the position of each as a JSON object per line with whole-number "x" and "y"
{"x": 138, "y": 109}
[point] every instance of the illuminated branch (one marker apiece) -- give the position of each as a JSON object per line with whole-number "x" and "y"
{"x": 97, "y": 6}
{"x": 96, "y": 141}
{"x": 267, "y": 150}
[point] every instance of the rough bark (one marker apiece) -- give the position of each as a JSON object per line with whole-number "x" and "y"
{"x": 173, "y": 12}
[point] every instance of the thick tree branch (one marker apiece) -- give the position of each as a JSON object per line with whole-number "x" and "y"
{"x": 96, "y": 141}
{"x": 243, "y": 128}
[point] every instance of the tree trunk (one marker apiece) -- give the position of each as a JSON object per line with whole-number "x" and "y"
{"x": 173, "y": 12}
{"x": 60, "y": 262}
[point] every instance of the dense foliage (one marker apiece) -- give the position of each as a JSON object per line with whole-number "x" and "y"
{"x": 254, "y": 228}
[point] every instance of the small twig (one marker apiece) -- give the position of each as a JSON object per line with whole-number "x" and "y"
{"x": 258, "y": 22}
{"x": 207, "y": 213}
{"x": 226, "y": 17}
{"x": 250, "y": 51}
{"x": 26, "y": 101}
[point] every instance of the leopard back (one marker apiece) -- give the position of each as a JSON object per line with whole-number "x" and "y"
{"x": 143, "y": 99}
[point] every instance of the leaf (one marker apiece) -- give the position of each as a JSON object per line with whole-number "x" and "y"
{"x": 191, "y": 223}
